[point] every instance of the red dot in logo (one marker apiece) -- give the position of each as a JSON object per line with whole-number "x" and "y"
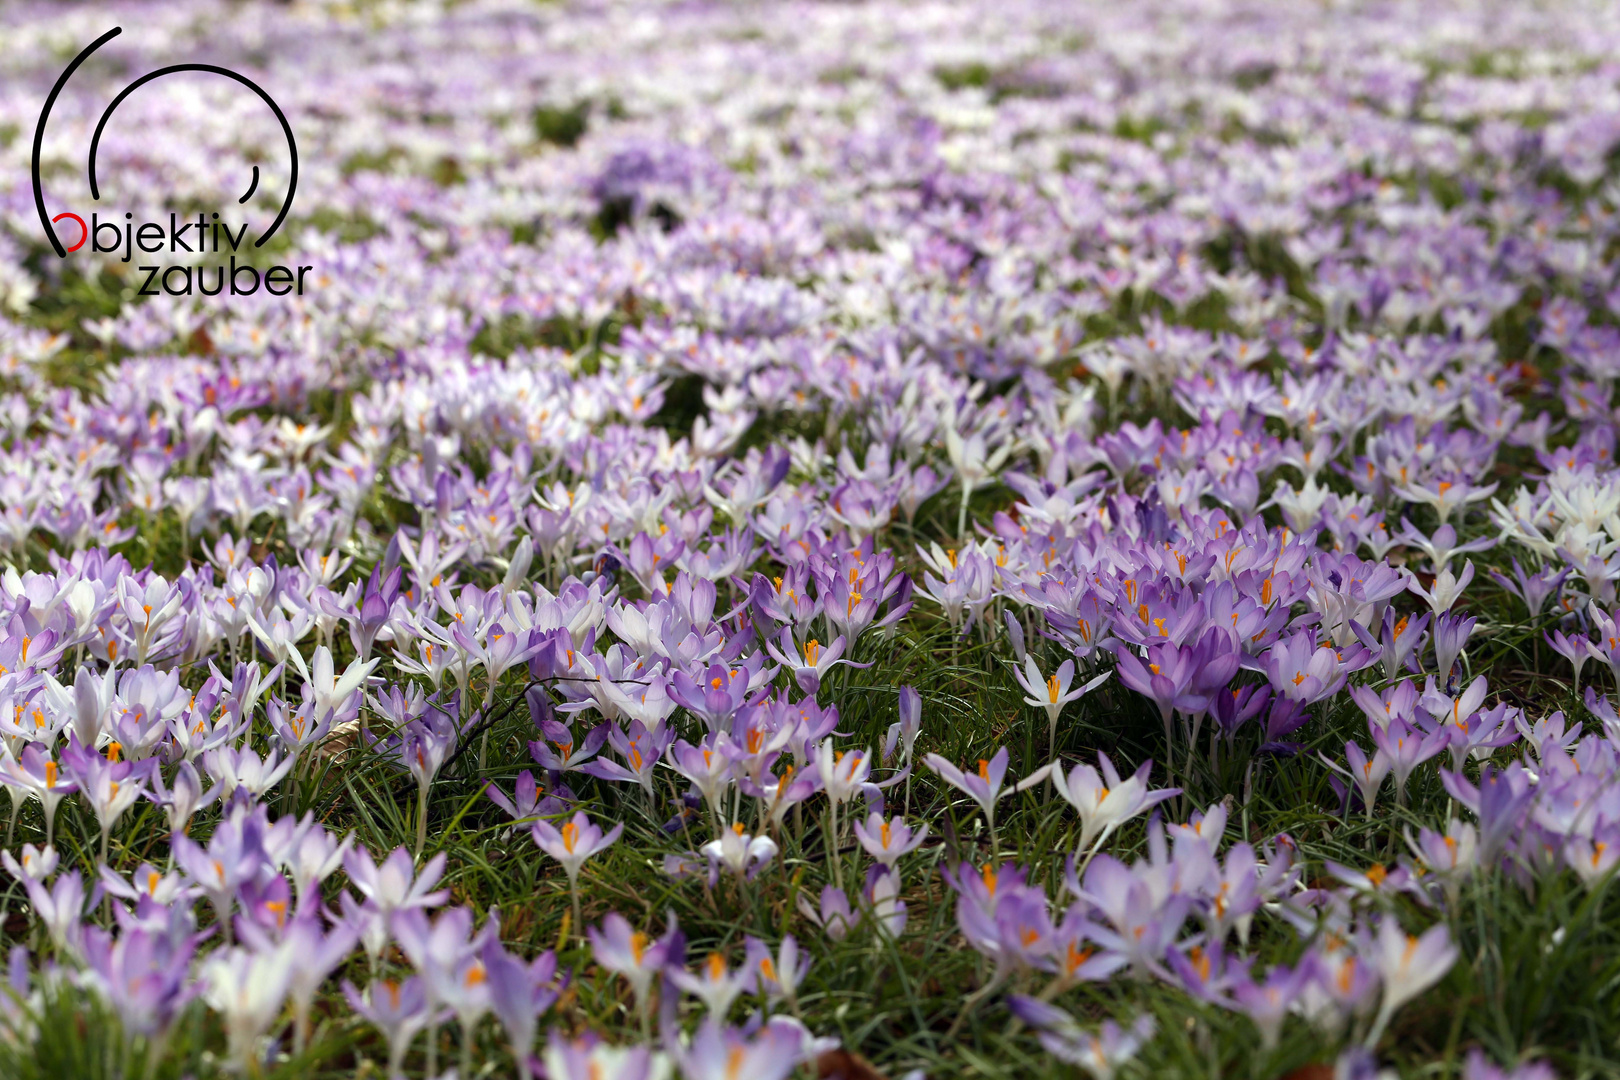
{"x": 84, "y": 232}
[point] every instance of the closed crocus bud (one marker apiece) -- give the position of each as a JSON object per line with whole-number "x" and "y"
{"x": 90, "y": 696}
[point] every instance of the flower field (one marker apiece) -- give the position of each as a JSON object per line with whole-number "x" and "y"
{"x": 1033, "y": 538}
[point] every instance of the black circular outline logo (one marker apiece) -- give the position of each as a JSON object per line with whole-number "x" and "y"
{"x": 95, "y": 143}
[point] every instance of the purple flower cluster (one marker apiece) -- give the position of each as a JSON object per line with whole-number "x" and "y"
{"x": 670, "y": 378}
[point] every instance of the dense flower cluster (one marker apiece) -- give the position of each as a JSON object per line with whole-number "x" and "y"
{"x": 671, "y": 378}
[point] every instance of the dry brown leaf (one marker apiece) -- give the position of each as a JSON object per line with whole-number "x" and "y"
{"x": 844, "y": 1065}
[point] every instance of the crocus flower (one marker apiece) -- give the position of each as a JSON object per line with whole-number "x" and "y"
{"x": 715, "y": 697}
{"x": 248, "y": 987}
{"x": 1269, "y": 1002}
{"x": 1478, "y": 1067}
{"x": 778, "y": 976}
{"x": 447, "y": 954}
{"x": 1303, "y": 671}
{"x": 1100, "y": 1054}
{"x": 1408, "y": 965}
{"x": 626, "y": 951}
{"x": 571, "y": 752}
{"x": 35, "y": 772}
{"x": 1405, "y": 748}
{"x": 577, "y": 840}
{"x": 1533, "y": 589}
{"x": 707, "y": 768}
{"x": 715, "y": 984}
{"x": 1367, "y": 774}
{"x": 235, "y": 768}
{"x": 529, "y": 799}
{"x": 399, "y": 1010}
{"x": 331, "y": 692}
{"x": 1575, "y": 648}
{"x": 1106, "y": 802}
{"x": 318, "y": 953}
{"x": 60, "y": 909}
{"x": 739, "y": 853}
{"x": 883, "y": 896}
{"x": 519, "y": 993}
{"x": 904, "y": 733}
{"x": 233, "y": 858}
{"x": 392, "y": 886}
{"x": 1054, "y": 692}
{"x": 983, "y": 786}
{"x": 36, "y": 864}
{"x": 641, "y": 749}
{"x": 425, "y": 744}
{"x": 589, "y": 1058}
{"x": 143, "y": 976}
{"x": 887, "y": 840}
{"x": 811, "y": 664}
{"x": 718, "y": 1052}
{"x": 182, "y": 801}
{"x": 395, "y": 884}
{"x": 1446, "y": 590}
{"x": 834, "y": 915}
{"x": 1450, "y": 856}
{"x": 1451, "y": 633}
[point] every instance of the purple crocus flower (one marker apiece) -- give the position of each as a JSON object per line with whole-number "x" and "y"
{"x": 529, "y": 800}
{"x": 1100, "y": 1054}
{"x": 400, "y": 1010}
{"x": 1405, "y": 748}
{"x": 834, "y": 914}
{"x": 519, "y": 994}
{"x": 772, "y": 1052}
{"x": 1269, "y": 1002}
{"x": 143, "y": 976}
{"x": 577, "y": 840}
{"x": 779, "y": 975}
{"x": 982, "y": 786}
{"x": 589, "y": 1058}
{"x": 621, "y": 949}
{"x": 714, "y": 697}
{"x": 392, "y": 886}
{"x": 811, "y": 663}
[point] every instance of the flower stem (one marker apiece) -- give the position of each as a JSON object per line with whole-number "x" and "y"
{"x": 421, "y": 819}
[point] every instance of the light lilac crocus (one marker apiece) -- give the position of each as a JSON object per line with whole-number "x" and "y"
{"x": 778, "y": 975}
{"x": 1408, "y": 965}
{"x": 248, "y": 988}
{"x": 1105, "y": 802}
{"x": 719, "y": 1052}
{"x": 519, "y": 993}
{"x": 394, "y": 885}
{"x": 1099, "y": 1053}
{"x": 982, "y": 786}
{"x": 1053, "y": 692}
{"x": 577, "y": 840}
{"x": 834, "y": 914}
{"x": 589, "y": 1058}
{"x": 887, "y": 840}
{"x": 620, "y": 948}
{"x": 400, "y": 1010}
{"x": 715, "y": 984}
{"x": 810, "y": 664}
{"x": 1367, "y": 774}
{"x": 743, "y": 855}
